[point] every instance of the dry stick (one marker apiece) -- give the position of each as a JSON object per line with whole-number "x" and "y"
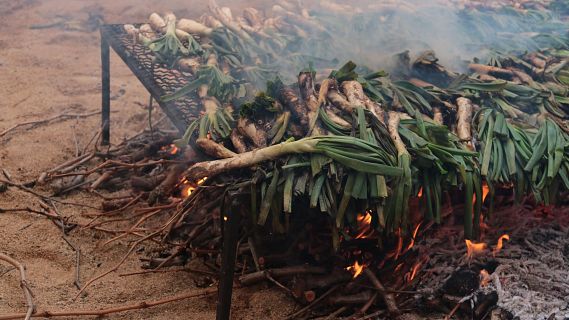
{"x": 312, "y": 304}
{"x": 387, "y": 297}
{"x": 132, "y": 247}
{"x": 255, "y": 277}
{"x": 336, "y": 313}
{"x": 77, "y": 250}
{"x": 102, "y": 312}
{"x": 26, "y": 209}
{"x": 38, "y": 122}
{"x": 41, "y": 196}
{"x": 207, "y": 273}
{"x": 118, "y": 164}
{"x": 23, "y": 284}
{"x": 95, "y": 137}
{"x": 372, "y": 315}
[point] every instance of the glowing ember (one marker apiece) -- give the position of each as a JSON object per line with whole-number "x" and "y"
{"x": 364, "y": 225}
{"x": 485, "y": 191}
{"x": 412, "y": 243}
{"x": 399, "y": 244}
{"x": 420, "y": 194}
{"x": 473, "y": 248}
{"x": 484, "y": 278}
{"x": 171, "y": 149}
{"x": 188, "y": 187}
{"x": 356, "y": 269}
{"x": 500, "y": 243}
{"x": 187, "y": 190}
{"x": 413, "y": 272}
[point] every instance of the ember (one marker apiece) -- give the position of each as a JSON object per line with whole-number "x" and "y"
{"x": 356, "y": 269}
{"x": 484, "y": 278}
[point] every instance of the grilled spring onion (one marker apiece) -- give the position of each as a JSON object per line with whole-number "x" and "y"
{"x": 351, "y": 152}
{"x": 548, "y": 163}
{"x": 168, "y": 46}
{"x": 216, "y": 121}
{"x": 505, "y": 149}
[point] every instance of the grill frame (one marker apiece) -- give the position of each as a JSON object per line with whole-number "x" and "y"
{"x": 158, "y": 78}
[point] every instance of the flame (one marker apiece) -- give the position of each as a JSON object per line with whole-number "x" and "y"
{"x": 364, "y": 225}
{"x": 189, "y": 187}
{"x": 473, "y": 248}
{"x": 356, "y": 269}
{"x": 187, "y": 190}
{"x": 413, "y": 272}
{"x": 171, "y": 149}
{"x": 412, "y": 243}
{"x": 484, "y": 278}
{"x": 399, "y": 244}
{"x": 420, "y": 194}
{"x": 485, "y": 191}
{"x": 500, "y": 243}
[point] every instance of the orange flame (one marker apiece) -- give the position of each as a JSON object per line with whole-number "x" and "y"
{"x": 420, "y": 194}
{"x": 413, "y": 272}
{"x": 484, "y": 278}
{"x": 399, "y": 244}
{"x": 171, "y": 149}
{"x": 356, "y": 269}
{"x": 364, "y": 225}
{"x": 412, "y": 243}
{"x": 473, "y": 248}
{"x": 500, "y": 243}
{"x": 189, "y": 187}
{"x": 485, "y": 191}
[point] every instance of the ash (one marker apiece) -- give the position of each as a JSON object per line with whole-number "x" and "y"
{"x": 532, "y": 280}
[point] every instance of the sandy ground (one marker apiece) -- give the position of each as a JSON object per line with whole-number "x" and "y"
{"x": 44, "y": 72}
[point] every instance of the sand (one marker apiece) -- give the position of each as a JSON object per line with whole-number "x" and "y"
{"x": 44, "y": 72}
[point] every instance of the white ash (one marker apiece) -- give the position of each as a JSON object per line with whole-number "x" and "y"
{"x": 532, "y": 280}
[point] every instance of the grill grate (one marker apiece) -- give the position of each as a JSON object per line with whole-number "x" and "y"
{"x": 157, "y": 78}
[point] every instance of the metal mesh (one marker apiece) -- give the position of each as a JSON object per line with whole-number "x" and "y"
{"x": 158, "y": 78}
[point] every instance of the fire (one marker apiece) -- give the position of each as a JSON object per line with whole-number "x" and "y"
{"x": 399, "y": 244}
{"x": 473, "y": 248}
{"x": 364, "y": 225}
{"x": 420, "y": 194}
{"x": 356, "y": 269}
{"x": 187, "y": 190}
{"x": 485, "y": 191}
{"x": 412, "y": 243}
{"x": 484, "y": 278}
{"x": 500, "y": 243}
{"x": 171, "y": 149}
{"x": 413, "y": 272}
{"x": 188, "y": 187}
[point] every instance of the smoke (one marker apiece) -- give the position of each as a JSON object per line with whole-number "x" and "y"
{"x": 370, "y": 33}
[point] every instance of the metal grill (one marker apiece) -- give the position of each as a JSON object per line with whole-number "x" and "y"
{"x": 157, "y": 78}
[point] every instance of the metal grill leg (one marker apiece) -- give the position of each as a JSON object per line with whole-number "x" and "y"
{"x": 106, "y": 90}
{"x": 225, "y": 287}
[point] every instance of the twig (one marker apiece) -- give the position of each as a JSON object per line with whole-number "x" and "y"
{"x": 372, "y": 315}
{"x": 39, "y": 122}
{"x": 102, "y": 312}
{"x": 23, "y": 284}
{"x": 387, "y": 297}
{"x": 129, "y": 252}
{"x": 167, "y": 271}
{"x": 41, "y": 196}
{"x": 77, "y": 250}
{"x": 9, "y": 269}
{"x": 316, "y": 301}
